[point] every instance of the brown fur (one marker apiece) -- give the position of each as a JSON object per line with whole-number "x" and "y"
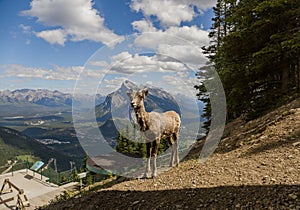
{"x": 155, "y": 126}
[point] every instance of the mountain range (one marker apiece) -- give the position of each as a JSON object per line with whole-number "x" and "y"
{"x": 40, "y": 97}
{"x": 32, "y": 102}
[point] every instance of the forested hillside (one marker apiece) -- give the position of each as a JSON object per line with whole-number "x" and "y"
{"x": 14, "y": 143}
{"x": 255, "y": 48}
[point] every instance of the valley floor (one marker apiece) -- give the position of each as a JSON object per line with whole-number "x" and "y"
{"x": 256, "y": 166}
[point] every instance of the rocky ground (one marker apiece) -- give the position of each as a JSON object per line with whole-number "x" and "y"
{"x": 256, "y": 166}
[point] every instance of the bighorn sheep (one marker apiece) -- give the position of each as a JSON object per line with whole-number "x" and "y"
{"x": 155, "y": 126}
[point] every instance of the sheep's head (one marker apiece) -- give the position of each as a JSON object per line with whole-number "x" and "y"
{"x": 137, "y": 98}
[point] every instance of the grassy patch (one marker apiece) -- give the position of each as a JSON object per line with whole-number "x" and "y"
{"x": 29, "y": 158}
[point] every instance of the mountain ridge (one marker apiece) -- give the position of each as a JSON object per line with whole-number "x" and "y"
{"x": 44, "y": 97}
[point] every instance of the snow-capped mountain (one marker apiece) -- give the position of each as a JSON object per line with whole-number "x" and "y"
{"x": 40, "y": 97}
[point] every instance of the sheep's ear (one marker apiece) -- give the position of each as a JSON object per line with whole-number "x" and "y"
{"x": 145, "y": 91}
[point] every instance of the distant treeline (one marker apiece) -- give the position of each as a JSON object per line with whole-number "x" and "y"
{"x": 132, "y": 145}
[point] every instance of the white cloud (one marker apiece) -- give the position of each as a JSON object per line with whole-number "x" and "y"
{"x": 174, "y": 36}
{"x": 26, "y": 29}
{"x": 125, "y": 63}
{"x": 180, "y": 84}
{"x": 181, "y": 43}
{"x": 172, "y": 13}
{"x": 114, "y": 83}
{"x": 75, "y": 20}
{"x": 120, "y": 57}
{"x": 98, "y": 63}
{"x": 108, "y": 86}
{"x": 187, "y": 54}
{"x": 57, "y": 36}
{"x": 56, "y": 73}
{"x": 143, "y": 26}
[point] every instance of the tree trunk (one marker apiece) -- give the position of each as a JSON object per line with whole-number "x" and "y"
{"x": 298, "y": 76}
{"x": 284, "y": 77}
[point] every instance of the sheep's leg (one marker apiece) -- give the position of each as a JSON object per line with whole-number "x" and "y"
{"x": 154, "y": 173}
{"x": 148, "y": 167}
{"x": 155, "y": 151}
{"x": 176, "y": 148}
{"x": 173, "y": 151}
{"x": 176, "y": 153}
{"x": 172, "y": 157}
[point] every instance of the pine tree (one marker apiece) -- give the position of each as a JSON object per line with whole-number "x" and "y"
{"x": 256, "y": 51}
{"x": 130, "y": 147}
{"x": 84, "y": 163}
{"x": 203, "y": 96}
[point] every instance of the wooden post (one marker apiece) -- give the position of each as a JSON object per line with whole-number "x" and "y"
{"x": 20, "y": 203}
{"x": 6, "y": 182}
{"x": 27, "y": 165}
{"x": 7, "y": 200}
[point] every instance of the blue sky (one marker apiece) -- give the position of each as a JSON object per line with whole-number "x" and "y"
{"x": 46, "y": 44}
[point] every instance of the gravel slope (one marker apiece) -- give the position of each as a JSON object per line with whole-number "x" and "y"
{"x": 256, "y": 166}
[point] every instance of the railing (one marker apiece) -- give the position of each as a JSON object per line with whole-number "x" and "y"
{"x": 58, "y": 178}
{"x": 13, "y": 167}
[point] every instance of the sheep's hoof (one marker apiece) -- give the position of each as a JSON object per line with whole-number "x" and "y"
{"x": 145, "y": 176}
{"x": 174, "y": 165}
{"x": 154, "y": 175}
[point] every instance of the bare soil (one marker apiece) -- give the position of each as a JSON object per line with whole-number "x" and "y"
{"x": 256, "y": 166}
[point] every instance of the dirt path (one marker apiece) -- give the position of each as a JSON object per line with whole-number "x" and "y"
{"x": 257, "y": 166}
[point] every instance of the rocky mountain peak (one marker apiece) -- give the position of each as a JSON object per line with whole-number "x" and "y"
{"x": 128, "y": 85}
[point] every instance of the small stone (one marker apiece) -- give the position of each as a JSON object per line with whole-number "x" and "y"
{"x": 135, "y": 202}
{"x": 296, "y": 144}
{"x": 263, "y": 163}
{"x": 293, "y": 196}
{"x": 263, "y": 137}
{"x": 265, "y": 177}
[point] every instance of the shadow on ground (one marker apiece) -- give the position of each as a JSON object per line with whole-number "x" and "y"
{"x": 224, "y": 197}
